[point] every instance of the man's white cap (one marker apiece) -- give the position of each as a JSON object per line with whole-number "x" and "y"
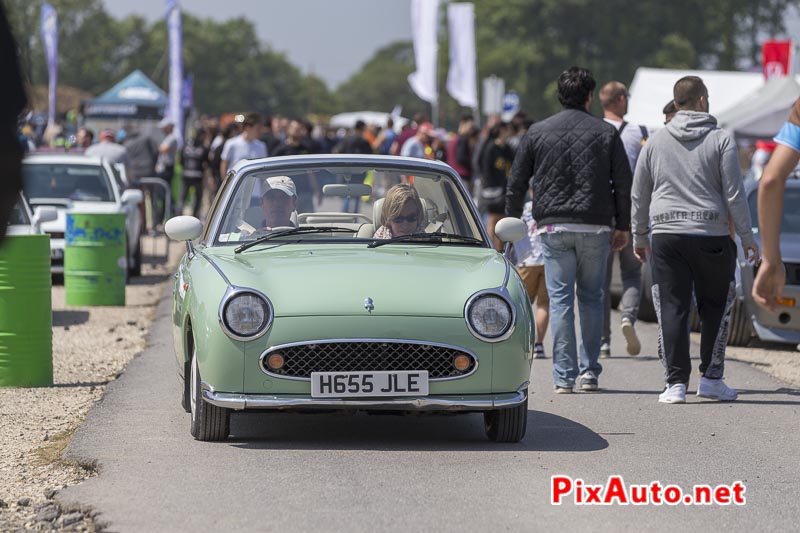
{"x": 165, "y": 122}
{"x": 281, "y": 183}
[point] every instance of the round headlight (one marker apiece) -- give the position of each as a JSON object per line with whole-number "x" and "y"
{"x": 246, "y": 314}
{"x": 490, "y": 316}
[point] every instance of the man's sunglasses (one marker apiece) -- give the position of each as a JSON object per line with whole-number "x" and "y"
{"x": 409, "y": 218}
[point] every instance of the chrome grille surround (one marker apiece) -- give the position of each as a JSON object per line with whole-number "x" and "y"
{"x": 364, "y": 355}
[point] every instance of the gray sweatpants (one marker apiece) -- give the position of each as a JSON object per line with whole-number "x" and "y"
{"x": 631, "y": 270}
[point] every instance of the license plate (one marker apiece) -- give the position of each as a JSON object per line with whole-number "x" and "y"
{"x": 365, "y": 384}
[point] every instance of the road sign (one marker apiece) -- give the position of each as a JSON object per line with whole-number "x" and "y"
{"x": 493, "y": 90}
{"x": 510, "y": 105}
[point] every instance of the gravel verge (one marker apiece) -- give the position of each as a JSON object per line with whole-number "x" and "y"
{"x": 91, "y": 347}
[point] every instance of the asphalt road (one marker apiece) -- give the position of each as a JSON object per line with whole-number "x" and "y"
{"x": 290, "y": 472}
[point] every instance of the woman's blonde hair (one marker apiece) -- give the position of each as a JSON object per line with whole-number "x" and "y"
{"x": 396, "y": 198}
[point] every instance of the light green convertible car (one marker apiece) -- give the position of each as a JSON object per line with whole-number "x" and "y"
{"x": 402, "y": 306}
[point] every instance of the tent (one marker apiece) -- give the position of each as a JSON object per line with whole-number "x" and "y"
{"x": 651, "y": 89}
{"x": 348, "y": 120}
{"x": 761, "y": 113}
{"x": 135, "y": 97}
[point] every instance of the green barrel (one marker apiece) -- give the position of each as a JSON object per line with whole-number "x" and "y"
{"x": 95, "y": 259}
{"x": 26, "y": 314}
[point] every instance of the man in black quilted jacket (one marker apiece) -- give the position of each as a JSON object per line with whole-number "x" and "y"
{"x": 576, "y": 165}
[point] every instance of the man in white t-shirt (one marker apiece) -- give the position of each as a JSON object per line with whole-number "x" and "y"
{"x": 614, "y": 99}
{"x": 245, "y": 146}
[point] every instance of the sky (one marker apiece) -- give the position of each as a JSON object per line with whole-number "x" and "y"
{"x": 329, "y": 38}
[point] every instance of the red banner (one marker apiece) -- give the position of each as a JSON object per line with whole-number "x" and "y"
{"x": 776, "y": 58}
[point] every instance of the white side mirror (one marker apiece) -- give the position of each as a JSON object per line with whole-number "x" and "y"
{"x": 132, "y": 196}
{"x": 510, "y": 230}
{"x": 183, "y": 228}
{"x": 44, "y": 213}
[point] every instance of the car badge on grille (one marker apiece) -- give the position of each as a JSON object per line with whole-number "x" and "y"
{"x": 369, "y": 304}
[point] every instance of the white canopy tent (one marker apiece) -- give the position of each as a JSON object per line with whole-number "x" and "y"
{"x": 348, "y": 120}
{"x": 761, "y": 113}
{"x": 651, "y": 89}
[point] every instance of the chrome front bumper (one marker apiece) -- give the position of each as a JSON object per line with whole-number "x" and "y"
{"x": 466, "y": 403}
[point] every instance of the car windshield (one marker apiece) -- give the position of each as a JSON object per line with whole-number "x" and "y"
{"x": 87, "y": 183}
{"x": 347, "y": 204}
{"x": 790, "y": 222}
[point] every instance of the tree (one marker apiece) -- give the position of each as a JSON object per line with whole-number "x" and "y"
{"x": 382, "y": 82}
{"x": 615, "y": 40}
{"x": 232, "y": 70}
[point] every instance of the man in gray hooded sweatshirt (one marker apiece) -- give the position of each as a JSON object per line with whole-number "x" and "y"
{"x": 686, "y": 188}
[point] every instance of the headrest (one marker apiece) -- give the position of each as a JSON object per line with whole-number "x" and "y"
{"x": 377, "y": 212}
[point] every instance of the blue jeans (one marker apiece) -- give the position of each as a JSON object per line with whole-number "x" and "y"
{"x": 572, "y": 259}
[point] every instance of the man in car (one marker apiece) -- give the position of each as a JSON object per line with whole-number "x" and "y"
{"x": 278, "y": 202}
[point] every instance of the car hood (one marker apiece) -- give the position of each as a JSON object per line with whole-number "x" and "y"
{"x": 401, "y": 280}
{"x": 60, "y": 223}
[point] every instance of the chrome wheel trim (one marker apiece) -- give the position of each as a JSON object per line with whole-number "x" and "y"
{"x": 193, "y": 395}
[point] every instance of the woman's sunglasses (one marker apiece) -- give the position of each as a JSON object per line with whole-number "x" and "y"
{"x": 408, "y": 218}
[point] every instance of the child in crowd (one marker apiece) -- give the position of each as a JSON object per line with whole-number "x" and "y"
{"x": 530, "y": 265}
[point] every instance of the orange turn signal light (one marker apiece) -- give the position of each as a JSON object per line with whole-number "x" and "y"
{"x": 275, "y": 361}
{"x": 461, "y": 362}
{"x": 786, "y": 302}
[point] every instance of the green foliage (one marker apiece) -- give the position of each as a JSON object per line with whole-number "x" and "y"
{"x": 232, "y": 70}
{"x": 529, "y": 42}
{"x": 526, "y": 42}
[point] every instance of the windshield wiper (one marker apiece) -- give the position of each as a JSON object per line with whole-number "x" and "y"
{"x": 436, "y": 236}
{"x": 292, "y": 231}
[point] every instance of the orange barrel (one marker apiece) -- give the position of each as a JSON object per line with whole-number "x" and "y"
{"x": 26, "y": 313}
{"x": 95, "y": 261}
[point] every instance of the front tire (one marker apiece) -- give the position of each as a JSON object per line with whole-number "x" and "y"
{"x": 209, "y": 422}
{"x": 507, "y": 425}
{"x": 740, "y": 328}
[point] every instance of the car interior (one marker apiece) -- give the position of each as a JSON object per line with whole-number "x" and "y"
{"x": 245, "y": 215}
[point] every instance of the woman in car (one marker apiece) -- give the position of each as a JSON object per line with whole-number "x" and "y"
{"x": 402, "y": 213}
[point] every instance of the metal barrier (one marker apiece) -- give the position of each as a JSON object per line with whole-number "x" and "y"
{"x": 152, "y": 230}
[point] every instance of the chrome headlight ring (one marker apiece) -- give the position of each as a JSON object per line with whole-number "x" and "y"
{"x": 502, "y": 303}
{"x": 254, "y": 316}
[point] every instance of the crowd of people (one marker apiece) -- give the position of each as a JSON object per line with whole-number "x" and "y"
{"x": 588, "y": 189}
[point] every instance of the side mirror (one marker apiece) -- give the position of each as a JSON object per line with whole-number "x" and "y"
{"x": 44, "y": 213}
{"x": 132, "y": 196}
{"x": 183, "y": 228}
{"x": 510, "y": 230}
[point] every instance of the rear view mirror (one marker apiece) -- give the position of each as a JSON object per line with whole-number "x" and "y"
{"x": 510, "y": 230}
{"x": 42, "y": 214}
{"x": 347, "y": 189}
{"x": 183, "y": 228}
{"x": 132, "y": 196}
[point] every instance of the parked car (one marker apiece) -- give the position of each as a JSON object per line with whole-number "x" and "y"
{"x": 70, "y": 182}
{"x": 748, "y": 318}
{"x": 23, "y": 221}
{"x": 320, "y": 315}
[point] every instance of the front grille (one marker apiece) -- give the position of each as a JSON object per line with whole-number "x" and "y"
{"x": 56, "y": 234}
{"x": 364, "y": 356}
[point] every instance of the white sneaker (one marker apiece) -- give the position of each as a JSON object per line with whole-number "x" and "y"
{"x": 605, "y": 350}
{"x": 632, "y": 343}
{"x": 716, "y": 389}
{"x": 675, "y": 393}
